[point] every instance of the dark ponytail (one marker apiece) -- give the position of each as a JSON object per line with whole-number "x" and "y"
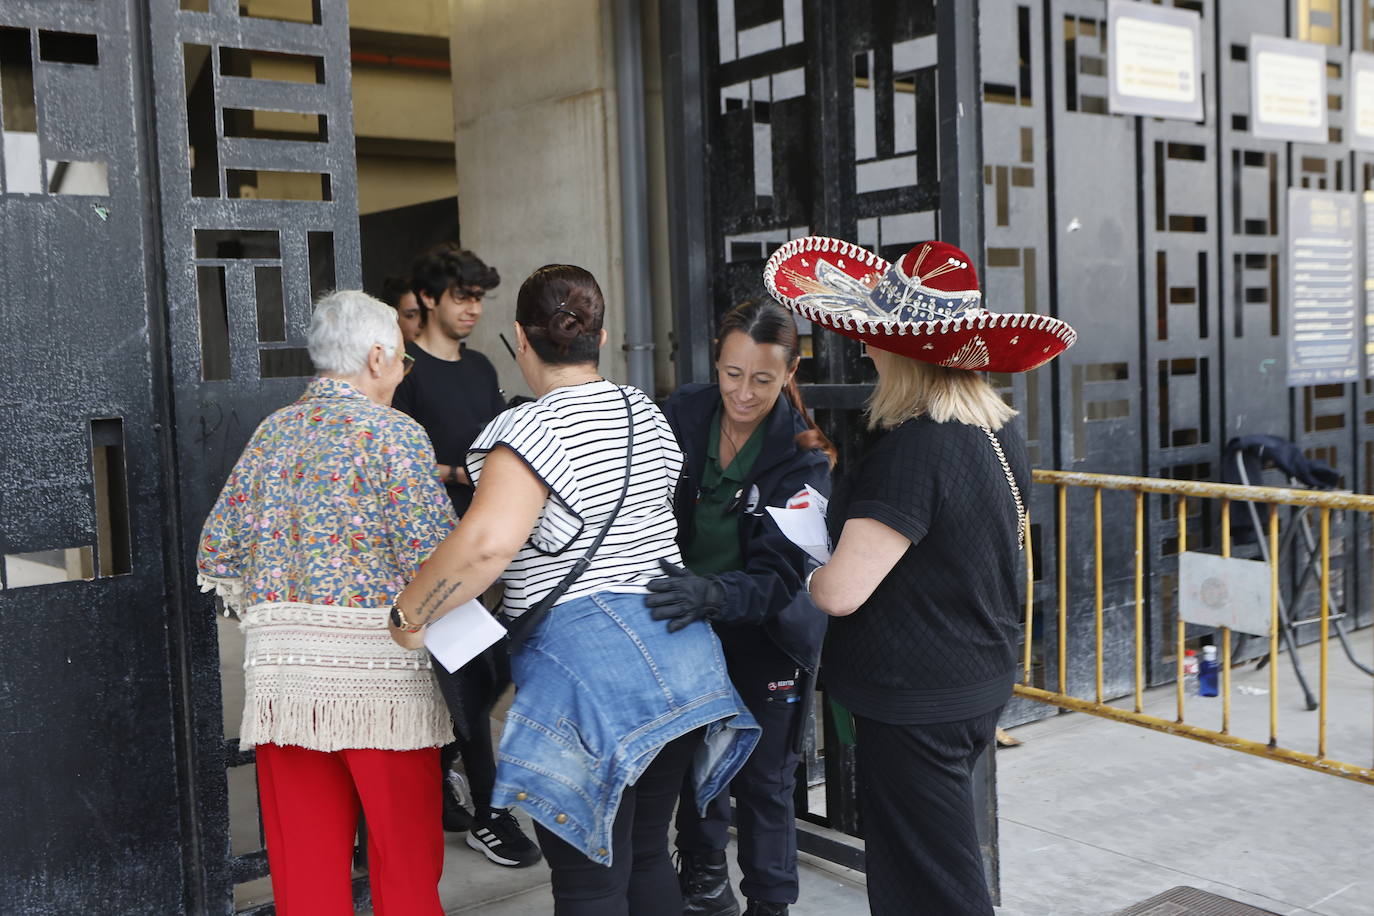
{"x": 767, "y": 322}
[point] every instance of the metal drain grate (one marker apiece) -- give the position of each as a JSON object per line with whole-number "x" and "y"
{"x": 1189, "y": 901}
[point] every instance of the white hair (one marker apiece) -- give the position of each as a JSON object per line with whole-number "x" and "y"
{"x": 345, "y": 326}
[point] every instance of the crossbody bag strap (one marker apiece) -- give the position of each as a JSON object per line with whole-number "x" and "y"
{"x": 1015, "y": 490}
{"x": 521, "y": 627}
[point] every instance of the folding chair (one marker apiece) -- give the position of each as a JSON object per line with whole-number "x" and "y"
{"x": 1245, "y": 457}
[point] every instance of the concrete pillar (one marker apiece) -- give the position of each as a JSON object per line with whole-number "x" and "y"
{"x": 534, "y": 112}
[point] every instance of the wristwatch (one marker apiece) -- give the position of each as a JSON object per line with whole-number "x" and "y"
{"x": 398, "y": 620}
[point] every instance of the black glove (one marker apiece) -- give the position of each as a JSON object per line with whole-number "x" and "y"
{"x": 682, "y": 597}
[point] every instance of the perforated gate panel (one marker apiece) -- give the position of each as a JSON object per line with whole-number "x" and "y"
{"x": 1169, "y": 240}
{"x": 259, "y": 216}
{"x": 1161, "y": 241}
{"x": 176, "y": 186}
{"x": 1016, "y": 275}
{"x": 86, "y": 701}
{"x": 1163, "y": 244}
{"x": 815, "y": 118}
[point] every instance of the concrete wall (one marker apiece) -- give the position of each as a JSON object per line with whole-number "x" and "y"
{"x": 398, "y": 103}
{"x": 402, "y": 113}
{"x": 535, "y": 116}
{"x": 415, "y": 17}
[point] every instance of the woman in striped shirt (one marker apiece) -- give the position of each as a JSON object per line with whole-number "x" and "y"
{"x": 611, "y": 710}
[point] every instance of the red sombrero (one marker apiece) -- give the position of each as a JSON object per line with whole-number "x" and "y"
{"x": 926, "y": 306}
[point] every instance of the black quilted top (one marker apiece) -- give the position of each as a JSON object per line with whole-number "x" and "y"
{"x": 936, "y": 640}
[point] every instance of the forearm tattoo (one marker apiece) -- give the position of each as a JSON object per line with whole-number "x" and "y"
{"x": 434, "y": 601}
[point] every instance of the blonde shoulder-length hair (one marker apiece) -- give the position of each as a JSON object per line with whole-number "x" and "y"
{"x": 909, "y": 388}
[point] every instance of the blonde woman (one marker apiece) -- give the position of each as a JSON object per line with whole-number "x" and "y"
{"x": 927, "y": 529}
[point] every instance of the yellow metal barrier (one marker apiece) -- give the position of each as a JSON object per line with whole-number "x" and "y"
{"x": 1183, "y": 490}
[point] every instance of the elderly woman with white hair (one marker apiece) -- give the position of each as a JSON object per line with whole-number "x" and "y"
{"x": 328, "y": 513}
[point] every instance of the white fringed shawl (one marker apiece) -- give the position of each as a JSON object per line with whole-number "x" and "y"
{"x": 327, "y": 678}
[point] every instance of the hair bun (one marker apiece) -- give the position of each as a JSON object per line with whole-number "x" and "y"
{"x": 561, "y": 309}
{"x": 571, "y": 319}
{"x": 564, "y": 325}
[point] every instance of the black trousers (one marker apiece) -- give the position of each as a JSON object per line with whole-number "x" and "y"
{"x": 771, "y": 686}
{"x": 641, "y": 880}
{"x": 469, "y": 694}
{"x": 916, "y": 800}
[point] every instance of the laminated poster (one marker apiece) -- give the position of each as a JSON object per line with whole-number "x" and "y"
{"x": 1156, "y": 55}
{"x": 1324, "y": 314}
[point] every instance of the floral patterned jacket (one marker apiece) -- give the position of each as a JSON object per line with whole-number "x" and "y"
{"x": 334, "y": 501}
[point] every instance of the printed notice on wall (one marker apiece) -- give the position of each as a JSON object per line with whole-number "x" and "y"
{"x": 1287, "y": 89}
{"x": 1362, "y": 101}
{"x": 1156, "y": 55}
{"x": 1323, "y": 333}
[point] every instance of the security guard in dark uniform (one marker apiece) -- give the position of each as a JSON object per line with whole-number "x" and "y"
{"x": 748, "y": 445}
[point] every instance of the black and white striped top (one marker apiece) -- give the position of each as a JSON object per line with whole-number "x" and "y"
{"x": 574, "y": 439}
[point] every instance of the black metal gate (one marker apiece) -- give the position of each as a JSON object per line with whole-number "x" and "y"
{"x": 87, "y": 707}
{"x": 259, "y": 216}
{"x": 1161, "y": 241}
{"x": 858, "y": 120}
{"x": 177, "y": 183}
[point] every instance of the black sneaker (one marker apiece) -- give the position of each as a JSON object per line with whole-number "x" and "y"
{"x": 497, "y": 835}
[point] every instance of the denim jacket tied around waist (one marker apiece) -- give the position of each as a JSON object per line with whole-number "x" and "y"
{"x": 601, "y": 687}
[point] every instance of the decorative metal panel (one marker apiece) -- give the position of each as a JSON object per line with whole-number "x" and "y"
{"x": 1180, "y": 309}
{"x": 1161, "y": 240}
{"x": 259, "y": 216}
{"x": 817, "y": 118}
{"x": 1016, "y": 275}
{"x": 89, "y": 776}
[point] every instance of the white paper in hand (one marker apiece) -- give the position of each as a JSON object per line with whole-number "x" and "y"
{"x": 460, "y": 635}
{"x": 803, "y": 523}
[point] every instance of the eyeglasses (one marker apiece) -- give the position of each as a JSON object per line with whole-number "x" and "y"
{"x": 407, "y": 361}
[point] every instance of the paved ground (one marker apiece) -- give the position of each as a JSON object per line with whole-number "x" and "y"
{"x": 1095, "y": 815}
{"x": 471, "y": 887}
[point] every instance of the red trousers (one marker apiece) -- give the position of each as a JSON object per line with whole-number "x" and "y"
{"x": 310, "y": 803}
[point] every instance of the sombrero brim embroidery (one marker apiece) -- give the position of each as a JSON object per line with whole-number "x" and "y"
{"x": 830, "y": 282}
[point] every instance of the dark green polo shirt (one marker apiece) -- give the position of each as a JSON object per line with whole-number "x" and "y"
{"x": 715, "y": 522}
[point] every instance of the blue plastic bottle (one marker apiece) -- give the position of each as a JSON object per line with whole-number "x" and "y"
{"x": 1207, "y": 672}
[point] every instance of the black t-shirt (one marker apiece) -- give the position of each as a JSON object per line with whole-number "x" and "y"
{"x": 453, "y": 400}
{"x": 936, "y": 641}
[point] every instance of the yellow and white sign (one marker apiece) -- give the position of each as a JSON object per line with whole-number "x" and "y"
{"x": 1287, "y": 89}
{"x": 1156, "y": 61}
